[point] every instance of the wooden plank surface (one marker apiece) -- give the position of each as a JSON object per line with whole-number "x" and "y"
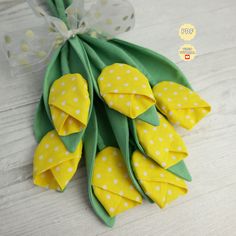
{"x": 210, "y": 206}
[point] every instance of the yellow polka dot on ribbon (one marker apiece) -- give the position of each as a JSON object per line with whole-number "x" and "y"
{"x": 181, "y": 105}
{"x": 161, "y": 143}
{"x": 69, "y": 104}
{"x": 111, "y": 183}
{"x": 125, "y": 89}
{"x": 54, "y": 166}
{"x": 159, "y": 184}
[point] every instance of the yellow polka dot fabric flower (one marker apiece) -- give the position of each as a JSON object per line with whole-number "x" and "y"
{"x": 126, "y": 89}
{"x": 54, "y": 166}
{"x": 159, "y": 184}
{"x": 161, "y": 143}
{"x": 181, "y": 105}
{"x": 69, "y": 104}
{"x": 111, "y": 183}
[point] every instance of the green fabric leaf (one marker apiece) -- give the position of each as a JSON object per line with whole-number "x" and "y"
{"x": 181, "y": 170}
{"x": 90, "y": 151}
{"x": 42, "y": 121}
{"x": 150, "y": 116}
{"x": 42, "y": 124}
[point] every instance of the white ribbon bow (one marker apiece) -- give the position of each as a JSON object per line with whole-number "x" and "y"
{"x": 29, "y": 50}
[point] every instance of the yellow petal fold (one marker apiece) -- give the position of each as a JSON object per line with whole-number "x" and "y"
{"x": 181, "y": 105}
{"x": 159, "y": 184}
{"x": 54, "y": 166}
{"x": 161, "y": 143}
{"x": 111, "y": 183}
{"x": 69, "y": 104}
{"x": 125, "y": 89}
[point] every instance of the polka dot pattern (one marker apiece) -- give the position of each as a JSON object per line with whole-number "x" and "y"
{"x": 159, "y": 184}
{"x": 181, "y": 105}
{"x": 69, "y": 104}
{"x": 126, "y": 89}
{"x": 28, "y": 49}
{"x": 110, "y": 18}
{"x": 161, "y": 143}
{"x": 54, "y": 166}
{"x": 111, "y": 184}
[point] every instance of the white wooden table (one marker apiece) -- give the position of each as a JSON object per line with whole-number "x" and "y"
{"x": 210, "y": 206}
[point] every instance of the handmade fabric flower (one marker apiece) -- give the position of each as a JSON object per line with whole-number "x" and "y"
{"x": 161, "y": 143}
{"x": 54, "y": 166}
{"x": 111, "y": 183}
{"x": 126, "y": 89}
{"x": 180, "y": 104}
{"x": 69, "y": 104}
{"x": 82, "y": 41}
{"x": 160, "y": 185}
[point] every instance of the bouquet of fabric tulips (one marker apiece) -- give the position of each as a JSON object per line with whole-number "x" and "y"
{"x": 113, "y": 103}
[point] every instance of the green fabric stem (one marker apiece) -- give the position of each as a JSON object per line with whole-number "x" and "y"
{"x": 65, "y": 68}
{"x": 119, "y": 124}
{"x": 90, "y": 151}
{"x": 53, "y": 8}
{"x": 61, "y": 11}
{"x": 42, "y": 121}
{"x": 105, "y": 133}
{"x": 98, "y": 136}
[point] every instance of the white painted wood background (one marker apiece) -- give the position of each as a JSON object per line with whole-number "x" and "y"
{"x": 210, "y": 206}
